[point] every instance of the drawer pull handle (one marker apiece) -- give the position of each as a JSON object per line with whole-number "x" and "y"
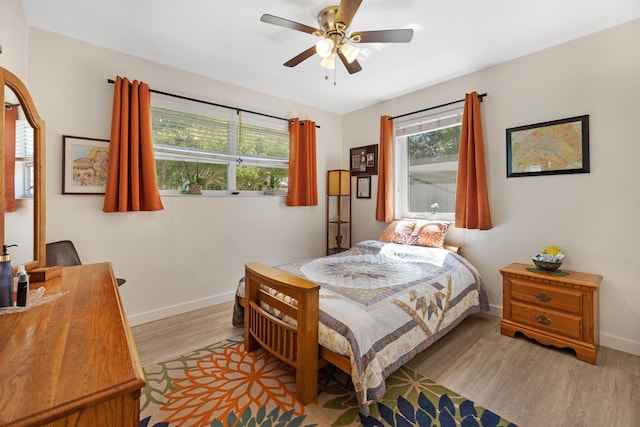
{"x": 542, "y": 297}
{"x": 543, "y": 319}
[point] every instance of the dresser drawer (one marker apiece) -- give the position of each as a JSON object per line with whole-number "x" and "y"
{"x": 548, "y": 320}
{"x": 546, "y": 296}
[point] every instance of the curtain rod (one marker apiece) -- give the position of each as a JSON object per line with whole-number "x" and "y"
{"x": 214, "y": 104}
{"x": 480, "y": 96}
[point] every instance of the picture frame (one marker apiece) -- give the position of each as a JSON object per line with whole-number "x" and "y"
{"x": 84, "y": 165}
{"x": 363, "y": 187}
{"x": 364, "y": 160}
{"x": 549, "y": 148}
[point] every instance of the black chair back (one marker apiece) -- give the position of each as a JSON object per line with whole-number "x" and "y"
{"x": 62, "y": 253}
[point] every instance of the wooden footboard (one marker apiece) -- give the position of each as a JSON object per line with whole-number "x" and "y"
{"x": 296, "y": 346}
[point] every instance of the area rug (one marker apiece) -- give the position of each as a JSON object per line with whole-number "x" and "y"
{"x": 223, "y": 385}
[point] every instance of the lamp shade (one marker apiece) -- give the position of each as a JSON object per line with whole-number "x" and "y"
{"x": 349, "y": 52}
{"x": 324, "y": 47}
{"x": 329, "y": 62}
{"x": 338, "y": 182}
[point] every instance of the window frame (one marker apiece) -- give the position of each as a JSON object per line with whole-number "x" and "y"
{"x": 427, "y": 122}
{"x": 235, "y": 120}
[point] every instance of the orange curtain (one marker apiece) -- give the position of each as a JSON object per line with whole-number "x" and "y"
{"x": 384, "y": 204}
{"x": 131, "y": 180}
{"x": 472, "y": 197}
{"x": 303, "y": 176}
{"x": 10, "y": 117}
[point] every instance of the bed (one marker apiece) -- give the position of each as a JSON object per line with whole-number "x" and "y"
{"x": 367, "y": 310}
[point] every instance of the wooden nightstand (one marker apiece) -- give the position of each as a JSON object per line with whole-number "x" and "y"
{"x": 552, "y": 309}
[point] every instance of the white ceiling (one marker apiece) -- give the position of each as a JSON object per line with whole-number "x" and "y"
{"x": 227, "y": 41}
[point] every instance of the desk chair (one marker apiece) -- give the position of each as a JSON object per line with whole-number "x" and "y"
{"x": 64, "y": 253}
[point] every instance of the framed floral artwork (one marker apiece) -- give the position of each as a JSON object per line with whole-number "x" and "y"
{"x": 85, "y": 162}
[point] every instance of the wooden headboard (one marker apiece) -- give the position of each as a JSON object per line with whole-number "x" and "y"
{"x": 453, "y": 248}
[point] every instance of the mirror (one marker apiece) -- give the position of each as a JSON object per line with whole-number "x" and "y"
{"x": 22, "y": 193}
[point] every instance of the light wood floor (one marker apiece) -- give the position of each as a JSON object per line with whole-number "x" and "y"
{"x": 529, "y": 384}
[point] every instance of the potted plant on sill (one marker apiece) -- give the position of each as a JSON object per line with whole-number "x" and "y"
{"x": 272, "y": 185}
{"x": 193, "y": 184}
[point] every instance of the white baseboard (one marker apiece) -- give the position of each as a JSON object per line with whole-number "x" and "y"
{"x": 621, "y": 344}
{"x": 495, "y": 310}
{"x": 150, "y": 316}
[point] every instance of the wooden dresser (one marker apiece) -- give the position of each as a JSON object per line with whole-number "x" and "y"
{"x": 71, "y": 360}
{"x": 552, "y": 309}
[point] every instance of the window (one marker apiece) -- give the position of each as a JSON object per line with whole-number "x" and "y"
{"x": 24, "y": 136}
{"x": 227, "y": 150}
{"x": 24, "y": 156}
{"x": 427, "y": 164}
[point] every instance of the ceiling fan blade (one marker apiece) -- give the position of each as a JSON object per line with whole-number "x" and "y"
{"x": 383, "y": 36}
{"x": 276, "y": 20}
{"x": 352, "y": 68}
{"x": 301, "y": 57}
{"x": 346, "y": 11}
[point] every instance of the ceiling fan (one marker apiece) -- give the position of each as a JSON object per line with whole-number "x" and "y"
{"x": 335, "y": 39}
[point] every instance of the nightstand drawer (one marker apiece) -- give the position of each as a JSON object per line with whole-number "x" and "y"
{"x": 548, "y": 320}
{"x": 545, "y": 296}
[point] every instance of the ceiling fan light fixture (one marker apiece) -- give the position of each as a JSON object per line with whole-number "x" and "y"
{"x": 350, "y": 52}
{"x": 334, "y": 36}
{"x": 329, "y": 62}
{"x": 324, "y": 47}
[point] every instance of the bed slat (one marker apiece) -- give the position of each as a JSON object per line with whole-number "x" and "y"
{"x": 273, "y": 334}
{"x": 288, "y": 309}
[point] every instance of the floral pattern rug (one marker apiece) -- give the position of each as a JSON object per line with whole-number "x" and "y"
{"x": 223, "y": 385}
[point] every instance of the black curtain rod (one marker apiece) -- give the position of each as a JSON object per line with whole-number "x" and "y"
{"x": 437, "y": 106}
{"x": 213, "y": 103}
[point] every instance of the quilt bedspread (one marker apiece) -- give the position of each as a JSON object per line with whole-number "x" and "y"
{"x": 382, "y": 303}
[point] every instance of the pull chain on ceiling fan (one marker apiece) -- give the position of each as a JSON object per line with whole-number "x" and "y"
{"x": 334, "y": 22}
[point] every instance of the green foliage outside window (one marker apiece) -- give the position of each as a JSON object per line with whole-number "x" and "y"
{"x": 434, "y": 145}
{"x": 171, "y": 174}
{"x": 252, "y": 178}
{"x": 261, "y": 142}
{"x": 188, "y": 130}
{"x": 183, "y": 140}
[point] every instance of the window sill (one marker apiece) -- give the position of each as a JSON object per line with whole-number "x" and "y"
{"x": 177, "y": 193}
{"x": 439, "y": 216}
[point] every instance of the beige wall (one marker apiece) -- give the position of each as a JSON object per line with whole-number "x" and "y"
{"x": 593, "y": 217}
{"x": 13, "y": 38}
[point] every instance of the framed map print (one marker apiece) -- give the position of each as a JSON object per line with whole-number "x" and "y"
{"x": 549, "y": 148}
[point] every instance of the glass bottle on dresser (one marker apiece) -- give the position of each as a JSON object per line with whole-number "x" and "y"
{"x": 6, "y": 278}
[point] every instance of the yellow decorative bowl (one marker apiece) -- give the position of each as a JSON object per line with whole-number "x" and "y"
{"x": 547, "y": 266}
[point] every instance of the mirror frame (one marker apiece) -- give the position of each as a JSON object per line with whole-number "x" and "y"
{"x": 39, "y": 249}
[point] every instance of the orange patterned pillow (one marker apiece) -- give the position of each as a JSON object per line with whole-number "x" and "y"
{"x": 398, "y": 231}
{"x": 429, "y": 233}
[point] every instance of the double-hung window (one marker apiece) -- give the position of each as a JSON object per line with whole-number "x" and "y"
{"x": 223, "y": 149}
{"x": 24, "y": 156}
{"x": 426, "y": 164}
